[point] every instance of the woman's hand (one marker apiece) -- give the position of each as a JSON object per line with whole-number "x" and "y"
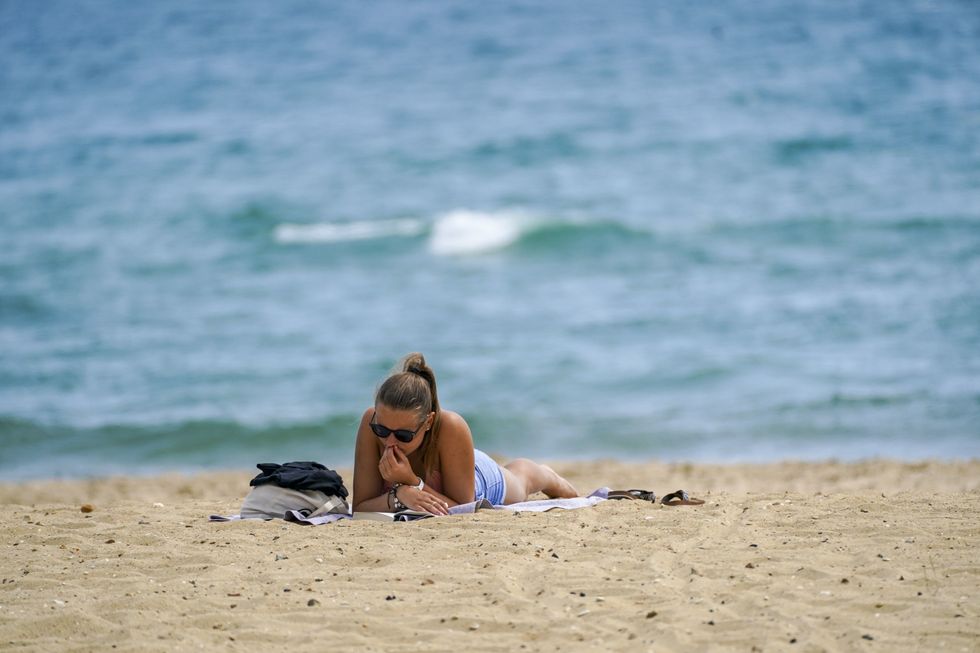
{"x": 395, "y": 468}
{"x": 421, "y": 500}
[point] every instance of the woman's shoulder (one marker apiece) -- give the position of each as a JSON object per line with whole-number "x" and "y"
{"x": 454, "y": 429}
{"x": 453, "y": 420}
{"x": 367, "y": 415}
{"x": 454, "y": 434}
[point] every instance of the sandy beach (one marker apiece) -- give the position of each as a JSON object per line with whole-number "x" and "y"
{"x": 869, "y": 556}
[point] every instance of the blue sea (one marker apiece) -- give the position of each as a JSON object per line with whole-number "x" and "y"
{"x": 707, "y": 231}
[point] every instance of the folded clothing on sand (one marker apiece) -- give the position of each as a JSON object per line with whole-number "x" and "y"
{"x": 301, "y": 475}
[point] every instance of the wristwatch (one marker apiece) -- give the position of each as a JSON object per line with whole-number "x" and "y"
{"x": 420, "y": 486}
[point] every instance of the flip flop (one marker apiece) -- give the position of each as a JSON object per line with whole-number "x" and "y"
{"x": 680, "y": 498}
{"x": 642, "y": 495}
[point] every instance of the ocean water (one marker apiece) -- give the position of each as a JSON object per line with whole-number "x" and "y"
{"x": 700, "y": 231}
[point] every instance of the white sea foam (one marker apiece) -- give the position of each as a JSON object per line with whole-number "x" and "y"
{"x": 472, "y": 232}
{"x": 455, "y": 233}
{"x": 332, "y": 232}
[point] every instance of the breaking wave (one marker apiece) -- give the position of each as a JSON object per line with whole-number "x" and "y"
{"x": 460, "y": 232}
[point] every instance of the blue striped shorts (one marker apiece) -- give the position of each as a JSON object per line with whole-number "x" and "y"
{"x": 489, "y": 479}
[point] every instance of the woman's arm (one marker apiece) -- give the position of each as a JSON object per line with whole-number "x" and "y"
{"x": 456, "y": 458}
{"x": 369, "y": 494}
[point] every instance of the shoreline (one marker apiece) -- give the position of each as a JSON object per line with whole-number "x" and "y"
{"x": 886, "y": 475}
{"x": 874, "y": 555}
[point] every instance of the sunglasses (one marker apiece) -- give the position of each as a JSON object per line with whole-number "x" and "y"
{"x": 402, "y": 435}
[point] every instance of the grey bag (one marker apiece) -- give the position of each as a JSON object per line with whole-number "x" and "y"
{"x": 273, "y": 502}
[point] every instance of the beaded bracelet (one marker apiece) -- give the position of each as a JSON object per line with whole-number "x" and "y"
{"x": 393, "y": 497}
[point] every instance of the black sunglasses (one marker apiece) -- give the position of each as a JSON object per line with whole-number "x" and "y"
{"x": 402, "y": 435}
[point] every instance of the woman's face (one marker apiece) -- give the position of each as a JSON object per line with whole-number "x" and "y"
{"x": 390, "y": 419}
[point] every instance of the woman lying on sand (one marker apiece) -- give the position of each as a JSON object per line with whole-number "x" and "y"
{"x": 412, "y": 454}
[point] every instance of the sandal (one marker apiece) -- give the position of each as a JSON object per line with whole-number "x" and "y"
{"x": 642, "y": 495}
{"x": 680, "y": 498}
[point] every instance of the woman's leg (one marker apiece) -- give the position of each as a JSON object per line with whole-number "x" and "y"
{"x": 524, "y": 477}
